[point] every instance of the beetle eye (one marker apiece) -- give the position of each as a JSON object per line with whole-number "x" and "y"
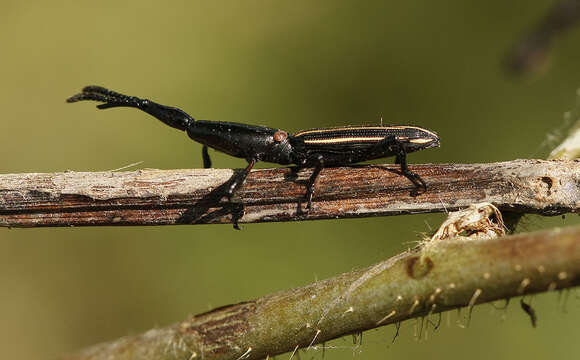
{"x": 280, "y": 136}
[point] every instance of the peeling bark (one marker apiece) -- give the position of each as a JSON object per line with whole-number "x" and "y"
{"x": 172, "y": 197}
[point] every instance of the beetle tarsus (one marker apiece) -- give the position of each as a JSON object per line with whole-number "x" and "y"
{"x": 420, "y": 186}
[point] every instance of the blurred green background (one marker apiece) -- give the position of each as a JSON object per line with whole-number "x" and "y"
{"x": 286, "y": 64}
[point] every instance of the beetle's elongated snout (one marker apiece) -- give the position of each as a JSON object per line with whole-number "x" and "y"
{"x": 171, "y": 116}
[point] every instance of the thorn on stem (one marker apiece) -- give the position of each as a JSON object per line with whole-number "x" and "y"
{"x": 530, "y": 311}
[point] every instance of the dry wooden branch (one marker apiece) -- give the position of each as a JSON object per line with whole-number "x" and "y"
{"x": 165, "y": 197}
{"x": 441, "y": 275}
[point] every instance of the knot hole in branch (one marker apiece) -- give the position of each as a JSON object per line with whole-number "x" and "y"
{"x": 546, "y": 184}
{"x": 418, "y": 267}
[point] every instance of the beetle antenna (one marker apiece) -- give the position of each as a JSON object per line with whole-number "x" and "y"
{"x": 171, "y": 116}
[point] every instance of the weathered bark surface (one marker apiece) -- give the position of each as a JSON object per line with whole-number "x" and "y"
{"x": 165, "y": 197}
{"x": 441, "y": 275}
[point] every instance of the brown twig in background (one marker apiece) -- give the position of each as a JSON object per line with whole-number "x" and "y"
{"x": 531, "y": 52}
{"x": 169, "y": 197}
{"x": 439, "y": 276}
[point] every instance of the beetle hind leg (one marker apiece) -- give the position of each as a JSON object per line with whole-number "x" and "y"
{"x": 401, "y": 159}
{"x": 395, "y": 147}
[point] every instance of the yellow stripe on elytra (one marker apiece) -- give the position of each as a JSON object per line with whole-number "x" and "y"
{"x": 318, "y": 131}
{"x": 420, "y": 140}
{"x": 343, "y": 140}
{"x": 397, "y": 127}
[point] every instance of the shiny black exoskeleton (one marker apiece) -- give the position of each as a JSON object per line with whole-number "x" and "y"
{"x": 308, "y": 148}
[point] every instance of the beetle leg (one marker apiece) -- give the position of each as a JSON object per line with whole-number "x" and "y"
{"x": 237, "y": 183}
{"x": 205, "y": 157}
{"x": 240, "y": 179}
{"x": 402, "y": 160}
{"x": 318, "y": 162}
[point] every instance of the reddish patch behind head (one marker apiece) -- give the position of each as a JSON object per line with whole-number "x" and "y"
{"x": 280, "y": 136}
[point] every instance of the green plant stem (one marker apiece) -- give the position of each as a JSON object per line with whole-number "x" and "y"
{"x": 438, "y": 276}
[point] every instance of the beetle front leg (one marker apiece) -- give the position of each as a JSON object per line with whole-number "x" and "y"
{"x": 318, "y": 162}
{"x": 239, "y": 180}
